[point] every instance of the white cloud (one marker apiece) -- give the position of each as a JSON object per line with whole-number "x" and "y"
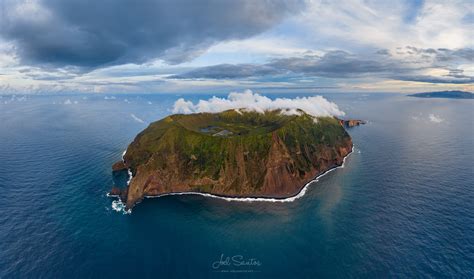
{"x": 136, "y": 118}
{"x": 435, "y": 118}
{"x": 69, "y": 102}
{"x": 435, "y": 24}
{"x": 315, "y": 105}
{"x": 359, "y": 27}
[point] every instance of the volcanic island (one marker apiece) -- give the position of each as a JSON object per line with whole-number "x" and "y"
{"x": 234, "y": 153}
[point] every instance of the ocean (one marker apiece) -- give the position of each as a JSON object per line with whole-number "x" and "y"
{"x": 402, "y": 206}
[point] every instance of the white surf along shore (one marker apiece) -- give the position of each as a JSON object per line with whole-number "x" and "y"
{"x": 119, "y": 206}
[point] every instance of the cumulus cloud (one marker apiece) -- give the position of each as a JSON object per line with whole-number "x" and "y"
{"x": 434, "y": 118}
{"x": 315, "y": 105}
{"x": 85, "y": 34}
{"x": 139, "y": 120}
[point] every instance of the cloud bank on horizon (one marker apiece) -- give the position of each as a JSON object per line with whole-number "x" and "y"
{"x": 247, "y": 100}
{"x": 219, "y": 45}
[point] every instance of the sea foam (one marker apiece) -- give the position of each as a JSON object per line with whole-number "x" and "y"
{"x": 300, "y": 194}
{"x": 119, "y": 206}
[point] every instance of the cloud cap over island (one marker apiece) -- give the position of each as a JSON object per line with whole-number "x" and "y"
{"x": 247, "y": 100}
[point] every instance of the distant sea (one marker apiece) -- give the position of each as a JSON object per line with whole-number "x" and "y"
{"x": 402, "y": 207}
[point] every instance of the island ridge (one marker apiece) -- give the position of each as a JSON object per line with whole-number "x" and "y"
{"x": 235, "y": 153}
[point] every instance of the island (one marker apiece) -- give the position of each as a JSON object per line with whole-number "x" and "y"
{"x": 453, "y": 94}
{"x": 234, "y": 153}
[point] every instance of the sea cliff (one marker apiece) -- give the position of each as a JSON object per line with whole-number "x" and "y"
{"x": 233, "y": 154}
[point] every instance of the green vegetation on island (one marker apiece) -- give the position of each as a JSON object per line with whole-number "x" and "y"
{"x": 233, "y": 153}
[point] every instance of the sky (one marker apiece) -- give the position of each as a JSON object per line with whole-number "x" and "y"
{"x": 219, "y": 46}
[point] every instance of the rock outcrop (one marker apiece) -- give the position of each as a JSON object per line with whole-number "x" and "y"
{"x": 260, "y": 155}
{"x": 118, "y": 192}
{"x": 119, "y": 166}
{"x": 351, "y": 122}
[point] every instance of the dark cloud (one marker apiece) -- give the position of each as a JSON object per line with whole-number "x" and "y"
{"x": 228, "y": 71}
{"x": 442, "y": 54}
{"x": 334, "y": 64}
{"x": 93, "y": 33}
{"x": 340, "y": 64}
{"x": 433, "y": 79}
{"x": 464, "y": 53}
{"x": 383, "y": 52}
{"x": 457, "y": 73}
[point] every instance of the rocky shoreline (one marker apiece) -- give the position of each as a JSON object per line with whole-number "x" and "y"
{"x": 251, "y": 198}
{"x": 351, "y": 122}
{"x": 281, "y": 182}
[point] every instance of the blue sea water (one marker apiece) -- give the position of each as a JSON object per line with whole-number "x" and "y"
{"x": 403, "y": 205}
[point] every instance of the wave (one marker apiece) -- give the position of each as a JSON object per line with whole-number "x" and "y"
{"x": 130, "y": 174}
{"x": 119, "y": 206}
